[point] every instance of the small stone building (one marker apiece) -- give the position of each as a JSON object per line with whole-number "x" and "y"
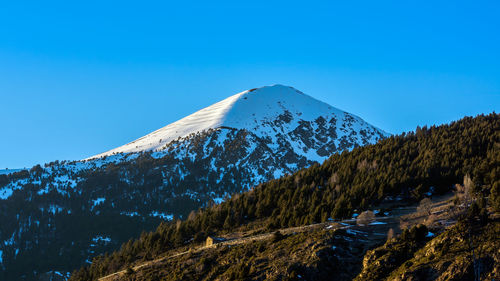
{"x": 211, "y": 240}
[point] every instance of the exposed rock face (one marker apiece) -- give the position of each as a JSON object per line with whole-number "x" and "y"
{"x": 445, "y": 257}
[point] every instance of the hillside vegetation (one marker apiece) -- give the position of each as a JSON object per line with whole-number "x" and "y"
{"x": 403, "y": 168}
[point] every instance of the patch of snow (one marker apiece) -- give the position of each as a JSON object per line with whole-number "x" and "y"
{"x": 355, "y": 232}
{"x": 218, "y": 200}
{"x": 102, "y": 239}
{"x": 54, "y": 209}
{"x": 98, "y": 201}
{"x": 277, "y": 173}
{"x": 130, "y": 214}
{"x": 191, "y": 194}
{"x": 6, "y": 192}
{"x": 10, "y": 241}
{"x": 377, "y": 223}
{"x": 44, "y": 190}
{"x": 164, "y": 216}
{"x": 350, "y": 231}
{"x": 65, "y": 275}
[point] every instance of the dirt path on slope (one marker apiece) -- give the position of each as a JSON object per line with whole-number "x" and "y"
{"x": 379, "y": 227}
{"x": 344, "y": 224}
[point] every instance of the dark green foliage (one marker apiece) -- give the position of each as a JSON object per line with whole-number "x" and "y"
{"x": 415, "y": 234}
{"x": 277, "y": 236}
{"x": 406, "y": 166}
{"x": 129, "y": 271}
{"x": 495, "y": 196}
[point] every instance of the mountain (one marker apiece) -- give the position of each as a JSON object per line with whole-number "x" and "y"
{"x": 277, "y": 113}
{"x": 59, "y": 216}
{"x": 422, "y": 205}
{"x": 9, "y": 171}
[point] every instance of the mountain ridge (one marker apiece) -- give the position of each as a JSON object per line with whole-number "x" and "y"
{"x": 245, "y": 110}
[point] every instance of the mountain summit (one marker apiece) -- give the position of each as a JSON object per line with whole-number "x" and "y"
{"x": 266, "y": 112}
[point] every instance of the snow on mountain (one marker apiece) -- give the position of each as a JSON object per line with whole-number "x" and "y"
{"x": 254, "y": 110}
{"x": 202, "y": 159}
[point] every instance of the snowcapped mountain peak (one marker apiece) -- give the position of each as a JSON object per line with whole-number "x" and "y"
{"x": 264, "y": 111}
{"x": 270, "y": 102}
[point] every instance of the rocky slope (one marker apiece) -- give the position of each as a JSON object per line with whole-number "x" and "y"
{"x": 455, "y": 254}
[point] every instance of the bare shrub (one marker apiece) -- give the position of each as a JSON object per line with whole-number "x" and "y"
{"x": 363, "y": 165}
{"x": 365, "y": 218}
{"x": 425, "y": 206}
{"x": 464, "y": 196}
{"x": 404, "y": 223}
{"x": 390, "y": 234}
{"x": 468, "y": 183}
{"x": 192, "y": 215}
{"x": 334, "y": 179}
{"x": 465, "y": 190}
{"x": 430, "y": 220}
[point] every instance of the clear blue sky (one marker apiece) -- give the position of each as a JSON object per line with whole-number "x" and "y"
{"x": 78, "y": 79}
